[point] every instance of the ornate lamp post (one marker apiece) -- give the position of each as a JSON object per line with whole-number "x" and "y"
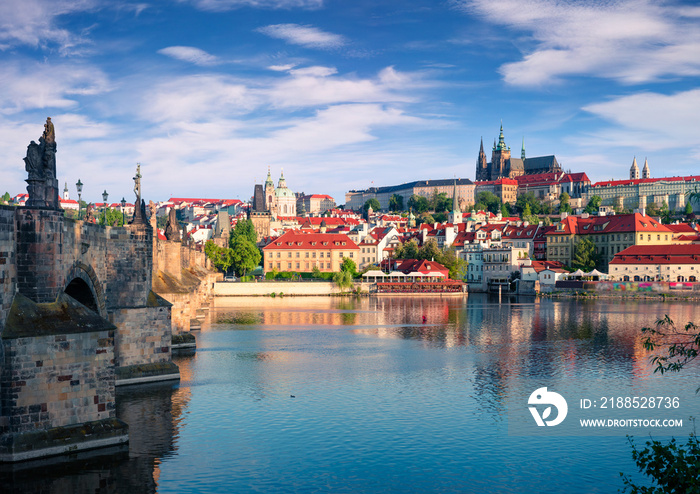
{"x": 79, "y": 186}
{"x": 123, "y": 216}
{"x": 105, "y": 195}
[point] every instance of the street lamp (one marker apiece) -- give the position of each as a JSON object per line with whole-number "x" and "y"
{"x": 79, "y": 186}
{"x": 105, "y": 195}
{"x": 123, "y": 216}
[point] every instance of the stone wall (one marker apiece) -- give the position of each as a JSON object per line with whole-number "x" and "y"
{"x": 143, "y": 336}
{"x": 8, "y": 269}
{"x": 183, "y": 276}
{"x": 115, "y": 262}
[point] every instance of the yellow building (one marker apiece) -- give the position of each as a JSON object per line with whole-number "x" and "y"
{"x": 300, "y": 252}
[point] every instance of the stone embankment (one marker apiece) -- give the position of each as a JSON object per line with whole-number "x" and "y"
{"x": 295, "y": 288}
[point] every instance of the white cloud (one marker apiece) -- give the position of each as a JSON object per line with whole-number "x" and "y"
{"x": 652, "y": 121}
{"x": 31, "y": 86}
{"x": 224, "y": 5}
{"x": 632, "y": 41}
{"x": 33, "y": 23}
{"x": 282, "y": 68}
{"x": 197, "y": 97}
{"x": 307, "y": 36}
{"x": 189, "y": 54}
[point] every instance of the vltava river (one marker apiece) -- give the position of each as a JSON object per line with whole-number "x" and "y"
{"x": 382, "y": 395}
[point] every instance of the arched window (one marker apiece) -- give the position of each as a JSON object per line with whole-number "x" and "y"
{"x": 681, "y": 278}
{"x": 692, "y": 279}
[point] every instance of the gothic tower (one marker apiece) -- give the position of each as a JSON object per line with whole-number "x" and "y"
{"x": 482, "y": 171}
{"x": 634, "y": 170}
{"x": 522, "y": 151}
{"x": 646, "y": 173}
{"x": 269, "y": 193}
{"x": 455, "y": 216}
{"x": 500, "y": 158}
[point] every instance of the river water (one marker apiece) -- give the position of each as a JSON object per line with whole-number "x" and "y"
{"x": 382, "y": 394}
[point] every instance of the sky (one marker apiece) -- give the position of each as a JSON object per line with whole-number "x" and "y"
{"x": 207, "y": 95}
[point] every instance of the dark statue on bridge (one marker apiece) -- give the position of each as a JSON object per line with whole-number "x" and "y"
{"x": 172, "y": 227}
{"x": 40, "y": 164}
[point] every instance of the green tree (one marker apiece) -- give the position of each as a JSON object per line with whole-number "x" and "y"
{"x": 505, "y": 210}
{"x": 315, "y": 272}
{"x": 564, "y": 205}
{"x": 407, "y": 250}
{"x": 487, "y": 201}
{"x": 6, "y": 198}
{"x": 418, "y": 203}
{"x": 243, "y": 229}
{"x": 349, "y": 266}
{"x": 111, "y": 217}
{"x": 245, "y": 255}
{"x": 593, "y": 205}
{"x": 688, "y": 209}
{"x": 440, "y": 202}
{"x": 343, "y": 279}
{"x": 396, "y": 202}
{"x": 673, "y": 467}
{"x": 429, "y": 251}
{"x": 220, "y": 257}
{"x": 372, "y": 203}
{"x": 585, "y": 256}
{"x": 426, "y": 218}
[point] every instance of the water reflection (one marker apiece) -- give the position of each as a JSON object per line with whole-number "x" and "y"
{"x": 154, "y": 413}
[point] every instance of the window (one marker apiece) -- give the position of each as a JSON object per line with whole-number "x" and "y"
{"x": 328, "y": 265}
{"x": 289, "y": 254}
{"x": 351, "y": 255}
{"x": 320, "y": 254}
{"x": 341, "y": 255}
{"x": 269, "y": 265}
{"x": 298, "y": 253}
{"x": 307, "y": 255}
{"x": 278, "y": 266}
{"x": 289, "y": 265}
{"x": 278, "y": 255}
{"x": 313, "y": 255}
{"x": 298, "y": 265}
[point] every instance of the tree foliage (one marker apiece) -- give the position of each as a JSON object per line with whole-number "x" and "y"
{"x": 349, "y": 266}
{"x": 487, "y": 201}
{"x": 585, "y": 256}
{"x": 244, "y": 229}
{"x": 372, "y": 203}
{"x": 564, "y": 204}
{"x": 593, "y": 205}
{"x": 672, "y": 467}
{"x": 111, "y": 217}
{"x": 245, "y": 255}
{"x": 419, "y": 204}
{"x": 220, "y": 257}
{"x": 431, "y": 252}
{"x": 6, "y": 198}
{"x": 396, "y": 202}
{"x": 688, "y": 209}
{"x": 343, "y": 279}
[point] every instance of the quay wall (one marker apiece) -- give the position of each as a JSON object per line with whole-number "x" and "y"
{"x": 297, "y": 288}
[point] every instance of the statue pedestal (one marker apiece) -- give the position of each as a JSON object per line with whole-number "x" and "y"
{"x": 36, "y": 192}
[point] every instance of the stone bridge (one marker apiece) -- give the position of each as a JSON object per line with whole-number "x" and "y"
{"x": 77, "y": 318}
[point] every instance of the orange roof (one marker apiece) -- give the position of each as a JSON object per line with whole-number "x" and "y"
{"x": 619, "y": 223}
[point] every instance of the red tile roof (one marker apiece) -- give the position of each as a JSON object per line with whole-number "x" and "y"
{"x": 614, "y": 183}
{"x": 297, "y": 240}
{"x": 658, "y": 254}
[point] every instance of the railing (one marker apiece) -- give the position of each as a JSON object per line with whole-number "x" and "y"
{"x": 421, "y": 287}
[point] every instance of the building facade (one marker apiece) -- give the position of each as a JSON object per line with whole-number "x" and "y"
{"x": 300, "y": 252}
{"x": 672, "y": 263}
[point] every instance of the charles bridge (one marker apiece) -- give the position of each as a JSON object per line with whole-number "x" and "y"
{"x": 78, "y": 317}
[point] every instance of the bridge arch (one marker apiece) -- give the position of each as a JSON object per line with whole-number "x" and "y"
{"x": 84, "y": 286}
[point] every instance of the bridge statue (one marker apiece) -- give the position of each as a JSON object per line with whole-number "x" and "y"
{"x": 40, "y": 165}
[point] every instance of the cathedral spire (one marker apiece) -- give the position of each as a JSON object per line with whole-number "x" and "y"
{"x": 522, "y": 152}
{"x": 646, "y": 172}
{"x": 501, "y": 140}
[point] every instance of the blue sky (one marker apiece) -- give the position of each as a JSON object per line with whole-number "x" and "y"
{"x": 206, "y": 94}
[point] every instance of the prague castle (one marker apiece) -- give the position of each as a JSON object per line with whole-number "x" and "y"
{"x": 503, "y": 166}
